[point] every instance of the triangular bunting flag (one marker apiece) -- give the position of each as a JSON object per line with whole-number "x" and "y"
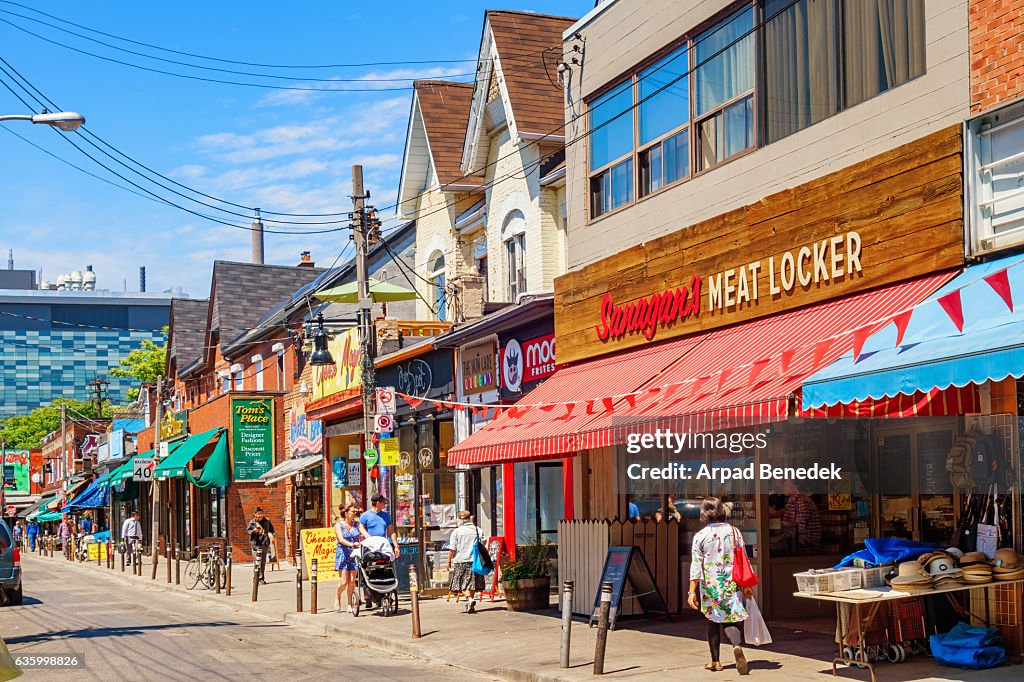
{"x": 820, "y": 349}
{"x": 609, "y": 405}
{"x": 860, "y": 336}
{"x": 590, "y": 407}
{"x": 722, "y": 378}
{"x": 1000, "y": 283}
{"x": 548, "y": 408}
{"x": 414, "y": 402}
{"x": 654, "y": 389}
{"x": 483, "y": 411}
{"x": 459, "y": 407}
{"x": 785, "y": 360}
{"x": 671, "y": 390}
{"x": 954, "y": 308}
{"x": 630, "y": 400}
{"x": 902, "y": 321}
{"x": 755, "y": 370}
{"x": 698, "y": 384}
{"x": 569, "y": 407}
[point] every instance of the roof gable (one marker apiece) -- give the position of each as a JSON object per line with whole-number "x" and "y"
{"x": 187, "y": 330}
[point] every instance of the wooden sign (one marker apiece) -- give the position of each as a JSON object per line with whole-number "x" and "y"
{"x": 622, "y": 563}
{"x": 890, "y": 218}
{"x": 320, "y": 544}
{"x": 496, "y": 548}
{"x": 476, "y": 363}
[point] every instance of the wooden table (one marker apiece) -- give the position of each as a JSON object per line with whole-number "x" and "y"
{"x": 880, "y": 596}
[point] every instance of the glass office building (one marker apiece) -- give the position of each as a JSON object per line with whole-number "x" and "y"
{"x": 54, "y": 342}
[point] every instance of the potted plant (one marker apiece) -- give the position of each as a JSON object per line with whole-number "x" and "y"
{"x": 527, "y": 580}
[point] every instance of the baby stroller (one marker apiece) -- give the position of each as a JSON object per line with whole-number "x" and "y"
{"x": 378, "y": 583}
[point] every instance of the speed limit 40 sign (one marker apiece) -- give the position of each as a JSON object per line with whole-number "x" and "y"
{"x": 142, "y": 468}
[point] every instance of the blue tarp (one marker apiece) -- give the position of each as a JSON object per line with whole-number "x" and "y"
{"x": 933, "y": 354}
{"x": 93, "y": 496}
{"x": 968, "y": 646}
{"x": 880, "y": 551}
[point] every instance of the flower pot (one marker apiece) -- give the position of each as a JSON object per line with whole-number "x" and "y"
{"x": 530, "y": 594}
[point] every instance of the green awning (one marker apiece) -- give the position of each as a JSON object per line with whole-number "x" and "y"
{"x": 217, "y": 470}
{"x": 48, "y": 516}
{"x": 176, "y": 464}
{"x": 40, "y": 508}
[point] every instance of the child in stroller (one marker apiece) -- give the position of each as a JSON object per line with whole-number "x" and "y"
{"x": 378, "y": 583}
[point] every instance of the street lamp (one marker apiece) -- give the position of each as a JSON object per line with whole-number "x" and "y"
{"x": 68, "y": 121}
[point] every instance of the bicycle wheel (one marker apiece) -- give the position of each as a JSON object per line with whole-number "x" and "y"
{"x": 220, "y": 572}
{"x": 193, "y": 573}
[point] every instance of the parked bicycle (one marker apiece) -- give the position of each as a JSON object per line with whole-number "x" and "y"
{"x": 207, "y": 567}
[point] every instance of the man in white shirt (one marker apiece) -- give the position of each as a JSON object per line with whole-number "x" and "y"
{"x": 131, "y": 533}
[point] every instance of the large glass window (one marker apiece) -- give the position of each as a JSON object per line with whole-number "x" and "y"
{"x": 611, "y": 126}
{"x": 663, "y": 113}
{"x": 515, "y": 252}
{"x": 885, "y": 45}
{"x": 724, "y": 77}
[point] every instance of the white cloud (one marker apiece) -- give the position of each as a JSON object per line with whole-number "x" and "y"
{"x": 384, "y": 81}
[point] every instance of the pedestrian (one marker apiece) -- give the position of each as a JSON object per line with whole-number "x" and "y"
{"x": 64, "y": 530}
{"x": 259, "y": 531}
{"x": 375, "y": 522}
{"x": 131, "y": 535}
{"x": 348, "y": 534}
{"x": 18, "y": 531}
{"x": 33, "y": 533}
{"x": 721, "y": 599}
{"x": 460, "y": 560}
{"x": 85, "y": 525}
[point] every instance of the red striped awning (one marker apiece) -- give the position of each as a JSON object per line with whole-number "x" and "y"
{"x": 937, "y": 402}
{"x": 744, "y": 372}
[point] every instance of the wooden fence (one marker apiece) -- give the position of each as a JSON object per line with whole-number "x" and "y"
{"x": 582, "y": 546}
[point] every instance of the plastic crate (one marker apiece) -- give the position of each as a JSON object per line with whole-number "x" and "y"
{"x": 874, "y": 577}
{"x": 811, "y": 583}
{"x": 848, "y": 579}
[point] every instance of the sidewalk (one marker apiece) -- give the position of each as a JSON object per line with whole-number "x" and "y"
{"x": 525, "y": 646}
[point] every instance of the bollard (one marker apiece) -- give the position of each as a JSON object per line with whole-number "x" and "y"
{"x": 227, "y": 578}
{"x": 567, "y": 590}
{"x": 312, "y": 588}
{"x": 177, "y": 563}
{"x": 165, "y": 549}
{"x": 414, "y": 594}
{"x": 99, "y": 554}
{"x": 156, "y": 557}
{"x": 602, "y": 627}
{"x": 122, "y": 557}
{"x": 256, "y": 559}
{"x": 298, "y": 579}
{"x": 110, "y": 554}
{"x": 138, "y": 560}
{"x": 214, "y": 555}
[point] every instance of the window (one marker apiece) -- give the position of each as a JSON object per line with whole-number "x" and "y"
{"x": 259, "y": 374}
{"x": 884, "y": 42}
{"x": 225, "y": 382}
{"x": 515, "y": 250}
{"x": 437, "y": 284}
{"x": 724, "y": 88}
{"x": 994, "y": 161}
{"x": 239, "y": 380}
{"x": 280, "y": 371}
{"x": 663, "y": 113}
{"x": 611, "y": 138}
{"x": 481, "y": 268}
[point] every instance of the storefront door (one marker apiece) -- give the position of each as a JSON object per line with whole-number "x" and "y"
{"x": 915, "y": 494}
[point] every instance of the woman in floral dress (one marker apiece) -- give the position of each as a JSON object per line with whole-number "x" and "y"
{"x": 721, "y": 600}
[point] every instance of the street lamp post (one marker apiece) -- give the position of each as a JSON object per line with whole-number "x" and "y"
{"x": 68, "y": 121}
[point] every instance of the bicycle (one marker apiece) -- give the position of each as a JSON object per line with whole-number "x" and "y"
{"x": 207, "y": 568}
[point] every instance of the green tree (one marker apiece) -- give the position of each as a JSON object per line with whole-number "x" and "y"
{"x": 27, "y": 431}
{"x": 145, "y": 364}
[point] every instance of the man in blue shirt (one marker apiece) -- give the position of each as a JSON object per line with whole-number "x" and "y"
{"x": 85, "y": 525}
{"x": 375, "y": 522}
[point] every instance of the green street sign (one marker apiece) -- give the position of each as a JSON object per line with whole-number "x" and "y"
{"x": 252, "y": 438}
{"x": 370, "y": 455}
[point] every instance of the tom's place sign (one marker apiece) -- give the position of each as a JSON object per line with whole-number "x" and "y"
{"x": 252, "y": 437}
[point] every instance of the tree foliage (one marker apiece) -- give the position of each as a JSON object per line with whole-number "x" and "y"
{"x": 145, "y": 364}
{"x": 27, "y": 431}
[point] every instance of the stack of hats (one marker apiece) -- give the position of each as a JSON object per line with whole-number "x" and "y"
{"x": 911, "y": 576}
{"x": 1007, "y": 565}
{"x": 942, "y": 567}
{"x": 977, "y": 570}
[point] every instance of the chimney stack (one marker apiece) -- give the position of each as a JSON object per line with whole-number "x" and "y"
{"x": 10, "y": 259}
{"x": 305, "y": 261}
{"x": 257, "y": 239}
{"x": 142, "y": 278}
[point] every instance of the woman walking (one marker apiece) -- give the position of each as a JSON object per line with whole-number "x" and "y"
{"x": 347, "y": 532}
{"x": 460, "y": 560}
{"x": 721, "y": 600}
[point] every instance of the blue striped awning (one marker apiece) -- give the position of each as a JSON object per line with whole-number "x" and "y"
{"x": 933, "y": 353}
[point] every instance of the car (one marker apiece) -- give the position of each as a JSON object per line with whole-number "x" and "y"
{"x": 10, "y": 566}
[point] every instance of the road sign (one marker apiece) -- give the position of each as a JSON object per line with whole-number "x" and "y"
{"x": 164, "y": 449}
{"x": 370, "y": 455}
{"x": 142, "y": 468}
{"x": 384, "y": 423}
{"x": 386, "y": 400}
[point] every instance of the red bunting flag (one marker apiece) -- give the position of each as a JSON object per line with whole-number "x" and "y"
{"x": 459, "y": 407}
{"x": 820, "y": 349}
{"x": 609, "y": 405}
{"x": 654, "y": 389}
{"x": 631, "y": 400}
{"x": 954, "y": 308}
{"x": 698, "y": 384}
{"x": 590, "y": 407}
{"x": 722, "y": 377}
{"x": 548, "y": 408}
{"x": 569, "y": 407}
{"x": 414, "y": 402}
{"x": 671, "y": 390}
{"x": 755, "y": 371}
{"x": 785, "y": 360}
{"x": 860, "y": 336}
{"x": 1000, "y": 283}
{"x": 902, "y": 321}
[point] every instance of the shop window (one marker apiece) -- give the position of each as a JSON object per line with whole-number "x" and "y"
{"x": 800, "y": 65}
{"x": 884, "y": 46}
{"x": 724, "y": 84}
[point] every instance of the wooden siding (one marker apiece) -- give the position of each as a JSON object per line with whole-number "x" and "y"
{"x": 905, "y": 204}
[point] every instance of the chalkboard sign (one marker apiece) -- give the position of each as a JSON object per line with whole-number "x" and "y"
{"x": 495, "y": 547}
{"x": 932, "y": 451}
{"x": 624, "y": 562}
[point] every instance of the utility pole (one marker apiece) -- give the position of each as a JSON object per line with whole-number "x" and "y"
{"x": 99, "y": 387}
{"x": 154, "y": 484}
{"x": 368, "y": 336}
{"x": 64, "y": 450}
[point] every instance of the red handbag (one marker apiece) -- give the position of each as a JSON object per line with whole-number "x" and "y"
{"x": 742, "y": 572}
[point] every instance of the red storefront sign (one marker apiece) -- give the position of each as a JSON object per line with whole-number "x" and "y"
{"x": 526, "y": 361}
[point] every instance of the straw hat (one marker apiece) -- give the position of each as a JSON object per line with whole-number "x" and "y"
{"x": 1012, "y": 575}
{"x": 1006, "y": 557}
{"x": 973, "y": 558}
{"x": 942, "y": 564}
{"x": 911, "y": 575}
{"x": 955, "y": 552}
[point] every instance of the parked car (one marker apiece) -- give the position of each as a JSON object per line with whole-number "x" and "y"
{"x": 10, "y": 565}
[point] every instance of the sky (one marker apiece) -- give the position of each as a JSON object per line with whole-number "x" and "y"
{"x": 281, "y": 150}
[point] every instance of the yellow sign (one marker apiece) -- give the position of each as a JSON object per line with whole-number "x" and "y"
{"x": 174, "y": 425}
{"x": 389, "y": 452}
{"x": 345, "y": 373}
{"x": 100, "y": 547}
{"x": 320, "y": 544}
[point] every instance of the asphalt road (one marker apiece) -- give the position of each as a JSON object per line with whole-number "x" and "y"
{"x": 127, "y": 633}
